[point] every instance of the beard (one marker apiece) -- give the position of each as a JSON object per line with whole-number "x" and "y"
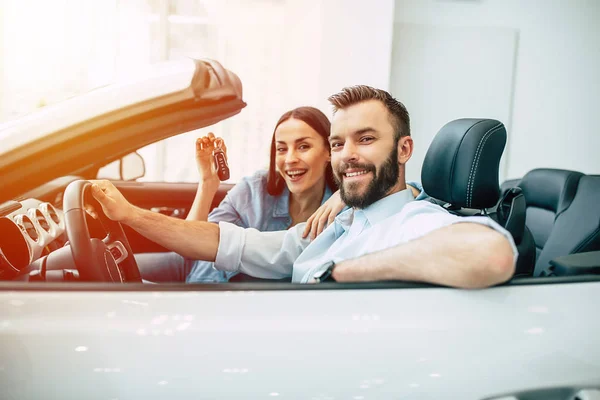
{"x": 377, "y": 189}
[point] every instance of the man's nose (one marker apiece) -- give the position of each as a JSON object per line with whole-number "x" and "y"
{"x": 349, "y": 152}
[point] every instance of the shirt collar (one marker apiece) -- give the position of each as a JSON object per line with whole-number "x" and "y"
{"x": 282, "y": 202}
{"x": 378, "y": 211}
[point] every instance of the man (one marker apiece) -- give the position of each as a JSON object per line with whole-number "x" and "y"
{"x": 385, "y": 235}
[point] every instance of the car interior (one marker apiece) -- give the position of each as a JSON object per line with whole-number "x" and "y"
{"x": 563, "y": 215}
{"x": 552, "y": 214}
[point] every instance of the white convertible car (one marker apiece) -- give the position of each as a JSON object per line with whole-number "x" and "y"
{"x": 72, "y": 329}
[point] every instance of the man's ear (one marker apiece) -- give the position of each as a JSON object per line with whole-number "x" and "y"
{"x": 405, "y": 149}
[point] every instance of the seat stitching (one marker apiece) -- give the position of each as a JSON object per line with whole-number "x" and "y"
{"x": 451, "y": 176}
{"x": 475, "y": 164}
{"x": 471, "y": 171}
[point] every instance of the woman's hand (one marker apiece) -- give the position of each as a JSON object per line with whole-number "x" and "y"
{"x": 205, "y": 159}
{"x": 324, "y": 216}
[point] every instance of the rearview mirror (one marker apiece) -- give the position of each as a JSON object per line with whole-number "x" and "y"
{"x": 127, "y": 168}
{"x": 132, "y": 167}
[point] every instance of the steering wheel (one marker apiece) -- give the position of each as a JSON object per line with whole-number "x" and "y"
{"x": 108, "y": 260}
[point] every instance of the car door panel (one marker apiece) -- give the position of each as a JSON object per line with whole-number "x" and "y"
{"x": 408, "y": 341}
{"x": 172, "y": 199}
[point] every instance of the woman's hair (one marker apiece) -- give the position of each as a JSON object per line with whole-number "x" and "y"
{"x": 314, "y": 118}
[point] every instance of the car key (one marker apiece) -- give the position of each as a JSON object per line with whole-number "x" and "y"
{"x": 221, "y": 161}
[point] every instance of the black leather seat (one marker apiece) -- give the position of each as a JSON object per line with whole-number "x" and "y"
{"x": 563, "y": 213}
{"x": 460, "y": 172}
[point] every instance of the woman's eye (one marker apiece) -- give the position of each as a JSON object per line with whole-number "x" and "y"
{"x": 303, "y": 147}
{"x": 280, "y": 149}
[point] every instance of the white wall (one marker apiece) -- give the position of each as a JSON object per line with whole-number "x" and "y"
{"x": 557, "y": 80}
{"x": 438, "y": 77}
{"x": 356, "y": 45}
{"x": 330, "y": 44}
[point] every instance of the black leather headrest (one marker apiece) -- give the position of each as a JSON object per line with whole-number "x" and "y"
{"x": 551, "y": 189}
{"x": 461, "y": 165}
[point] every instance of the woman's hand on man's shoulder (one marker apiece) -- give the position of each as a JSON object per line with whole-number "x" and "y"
{"x": 324, "y": 216}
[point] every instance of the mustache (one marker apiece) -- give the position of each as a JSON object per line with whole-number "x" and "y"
{"x": 345, "y": 167}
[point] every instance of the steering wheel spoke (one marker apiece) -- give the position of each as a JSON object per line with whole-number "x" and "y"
{"x": 117, "y": 250}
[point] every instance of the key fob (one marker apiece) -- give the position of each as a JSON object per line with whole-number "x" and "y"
{"x": 221, "y": 165}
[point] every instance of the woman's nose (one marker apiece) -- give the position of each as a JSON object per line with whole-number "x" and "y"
{"x": 291, "y": 157}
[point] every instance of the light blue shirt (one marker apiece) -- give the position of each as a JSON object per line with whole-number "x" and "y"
{"x": 388, "y": 222}
{"x": 249, "y": 205}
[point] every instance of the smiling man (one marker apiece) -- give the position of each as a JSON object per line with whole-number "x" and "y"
{"x": 385, "y": 234}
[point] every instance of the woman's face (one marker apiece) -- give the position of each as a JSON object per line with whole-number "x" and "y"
{"x": 301, "y": 156}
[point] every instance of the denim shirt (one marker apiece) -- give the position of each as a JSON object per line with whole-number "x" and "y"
{"x": 249, "y": 205}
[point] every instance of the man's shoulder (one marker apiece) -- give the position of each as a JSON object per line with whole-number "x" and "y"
{"x": 423, "y": 206}
{"x": 418, "y": 209}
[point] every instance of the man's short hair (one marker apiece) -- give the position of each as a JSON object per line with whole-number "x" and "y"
{"x": 351, "y": 95}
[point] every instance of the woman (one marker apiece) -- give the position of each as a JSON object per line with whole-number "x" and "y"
{"x": 298, "y": 187}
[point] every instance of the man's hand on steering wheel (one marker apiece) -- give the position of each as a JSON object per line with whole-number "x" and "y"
{"x": 114, "y": 205}
{"x": 110, "y": 259}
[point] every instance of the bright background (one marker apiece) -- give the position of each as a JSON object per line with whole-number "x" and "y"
{"x": 533, "y": 64}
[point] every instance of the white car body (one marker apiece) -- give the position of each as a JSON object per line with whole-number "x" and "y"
{"x": 417, "y": 343}
{"x": 389, "y": 340}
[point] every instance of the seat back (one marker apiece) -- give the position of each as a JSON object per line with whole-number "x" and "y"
{"x": 563, "y": 213}
{"x": 460, "y": 172}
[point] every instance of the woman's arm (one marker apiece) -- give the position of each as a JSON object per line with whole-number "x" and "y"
{"x": 209, "y": 180}
{"x": 324, "y": 216}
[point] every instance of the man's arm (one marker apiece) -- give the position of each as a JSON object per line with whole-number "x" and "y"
{"x": 466, "y": 255}
{"x": 197, "y": 240}
{"x": 268, "y": 255}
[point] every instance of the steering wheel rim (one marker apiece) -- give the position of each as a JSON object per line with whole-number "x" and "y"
{"x": 108, "y": 260}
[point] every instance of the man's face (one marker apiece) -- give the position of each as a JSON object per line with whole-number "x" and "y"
{"x": 364, "y": 154}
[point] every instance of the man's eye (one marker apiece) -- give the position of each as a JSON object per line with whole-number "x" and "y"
{"x": 336, "y": 145}
{"x": 366, "y": 139}
{"x": 280, "y": 149}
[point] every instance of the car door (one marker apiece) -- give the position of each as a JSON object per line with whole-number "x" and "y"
{"x": 251, "y": 341}
{"x": 170, "y": 198}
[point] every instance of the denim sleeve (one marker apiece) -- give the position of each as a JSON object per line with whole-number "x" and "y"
{"x": 232, "y": 207}
{"x": 417, "y": 185}
{"x": 230, "y": 210}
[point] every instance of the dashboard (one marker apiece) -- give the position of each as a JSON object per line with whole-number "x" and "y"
{"x": 31, "y": 228}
